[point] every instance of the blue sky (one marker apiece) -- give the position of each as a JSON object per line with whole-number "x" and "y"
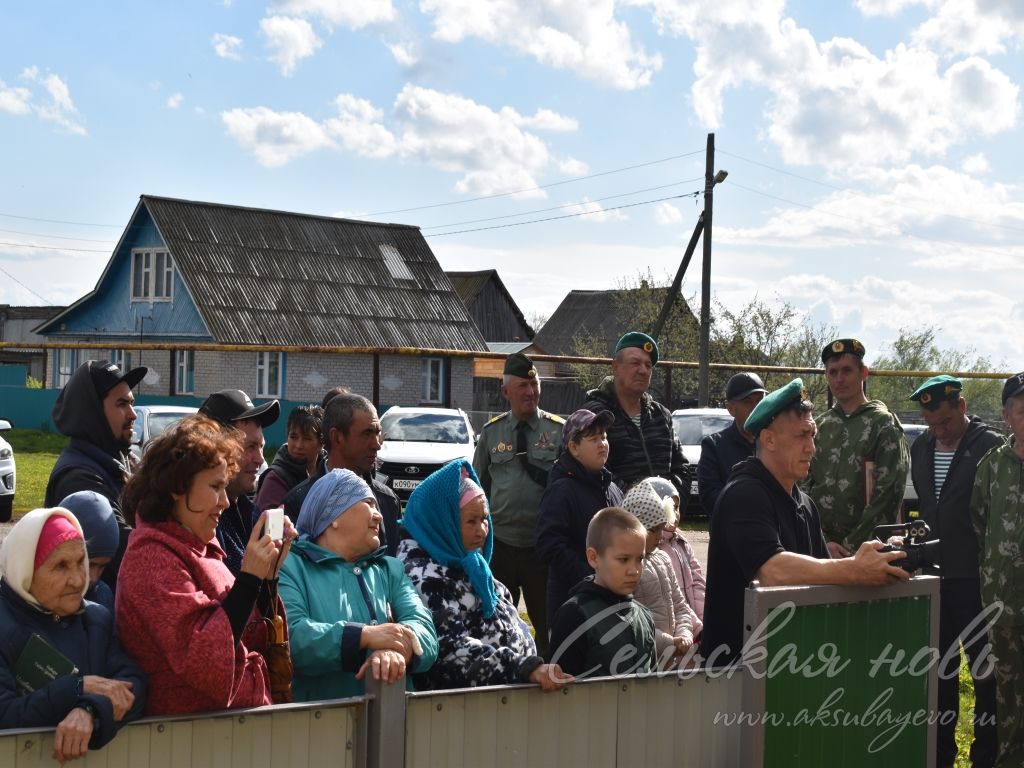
{"x": 873, "y": 146}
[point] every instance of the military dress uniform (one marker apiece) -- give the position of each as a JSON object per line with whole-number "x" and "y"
{"x": 859, "y": 472}
{"x": 513, "y": 459}
{"x": 997, "y": 507}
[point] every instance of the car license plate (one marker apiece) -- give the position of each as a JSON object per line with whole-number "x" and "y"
{"x": 405, "y": 485}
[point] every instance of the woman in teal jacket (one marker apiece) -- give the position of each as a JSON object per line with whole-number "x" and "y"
{"x": 352, "y": 611}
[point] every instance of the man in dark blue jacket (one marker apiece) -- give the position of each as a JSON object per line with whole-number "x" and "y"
{"x": 723, "y": 450}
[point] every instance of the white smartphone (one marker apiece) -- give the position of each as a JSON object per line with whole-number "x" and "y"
{"x": 275, "y": 523}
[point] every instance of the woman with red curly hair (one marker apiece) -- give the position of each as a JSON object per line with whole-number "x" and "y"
{"x": 193, "y": 627}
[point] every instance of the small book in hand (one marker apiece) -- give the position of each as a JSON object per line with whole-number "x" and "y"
{"x": 40, "y": 664}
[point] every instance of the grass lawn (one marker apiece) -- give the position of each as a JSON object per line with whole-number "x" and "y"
{"x": 36, "y": 452}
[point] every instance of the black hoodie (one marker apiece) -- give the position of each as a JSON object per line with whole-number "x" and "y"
{"x": 754, "y": 520}
{"x": 94, "y": 459}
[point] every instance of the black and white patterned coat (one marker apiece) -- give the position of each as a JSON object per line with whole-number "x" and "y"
{"x": 472, "y": 650}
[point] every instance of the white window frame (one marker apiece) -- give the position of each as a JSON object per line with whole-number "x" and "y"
{"x": 149, "y": 272}
{"x": 67, "y": 361}
{"x": 266, "y": 385}
{"x": 184, "y": 364}
{"x": 121, "y": 359}
{"x": 429, "y": 364}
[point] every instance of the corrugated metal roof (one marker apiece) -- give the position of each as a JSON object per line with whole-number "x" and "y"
{"x": 271, "y": 277}
{"x": 596, "y": 314}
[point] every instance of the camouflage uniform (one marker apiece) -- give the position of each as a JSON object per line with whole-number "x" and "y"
{"x": 836, "y": 480}
{"x": 996, "y": 509}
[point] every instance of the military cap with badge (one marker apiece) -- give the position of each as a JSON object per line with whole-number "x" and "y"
{"x": 1013, "y": 386}
{"x": 773, "y": 404}
{"x": 938, "y": 390}
{"x": 639, "y": 340}
{"x": 518, "y": 364}
{"x": 842, "y": 347}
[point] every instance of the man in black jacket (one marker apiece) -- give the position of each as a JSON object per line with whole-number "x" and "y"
{"x": 95, "y": 410}
{"x": 642, "y": 439}
{"x": 723, "y": 450}
{"x": 232, "y": 408}
{"x": 767, "y": 528}
{"x": 352, "y": 437}
{"x": 943, "y": 462}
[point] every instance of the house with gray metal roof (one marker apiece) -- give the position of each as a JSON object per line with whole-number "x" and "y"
{"x": 249, "y": 280}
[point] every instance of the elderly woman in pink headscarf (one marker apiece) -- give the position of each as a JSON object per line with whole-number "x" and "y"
{"x": 60, "y": 662}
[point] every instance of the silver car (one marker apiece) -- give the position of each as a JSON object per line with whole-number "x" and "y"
{"x": 151, "y": 421}
{"x": 7, "y": 475}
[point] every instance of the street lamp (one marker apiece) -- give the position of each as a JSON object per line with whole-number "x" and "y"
{"x": 710, "y": 180}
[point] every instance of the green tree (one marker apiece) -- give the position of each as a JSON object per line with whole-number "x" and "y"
{"x": 917, "y": 350}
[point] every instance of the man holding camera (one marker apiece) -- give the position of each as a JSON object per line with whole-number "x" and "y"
{"x": 997, "y": 509}
{"x": 766, "y": 528}
{"x": 944, "y": 462}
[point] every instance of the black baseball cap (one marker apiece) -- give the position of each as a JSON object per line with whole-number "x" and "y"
{"x": 105, "y": 376}
{"x": 1013, "y": 386}
{"x": 230, "y": 405}
{"x": 743, "y": 385}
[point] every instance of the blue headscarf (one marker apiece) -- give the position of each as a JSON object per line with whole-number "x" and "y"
{"x": 328, "y": 499}
{"x": 433, "y": 518}
{"x": 99, "y": 526}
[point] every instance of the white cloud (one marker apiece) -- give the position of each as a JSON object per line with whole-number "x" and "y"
{"x": 290, "y": 39}
{"x": 490, "y": 150}
{"x": 592, "y": 210}
{"x": 958, "y": 26}
{"x": 570, "y": 166}
{"x": 546, "y": 120}
{"x": 53, "y": 105}
{"x": 359, "y": 129}
{"x": 275, "y": 138}
{"x": 667, "y": 214}
{"x": 975, "y": 164}
{"x": 174, "y": 100}
{"x": 405, "y": 54}
{"x": 353, "y": 14}
{"x": 584, "y": 36}
{"x": 17, "y": 101}
{"x": 227, "y": 46}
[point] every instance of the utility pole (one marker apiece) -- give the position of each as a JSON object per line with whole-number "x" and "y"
{"x": 703, "y": 398}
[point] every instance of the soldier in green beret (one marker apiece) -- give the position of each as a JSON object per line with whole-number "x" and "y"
{"x": 514, "y": 454}
{"x": 997, "y": 510}
{"x": 766, "y": 528}
{"x": 859, "y": 474}
{"x": 642, "y": 439}
{"x": 944, "y": 462}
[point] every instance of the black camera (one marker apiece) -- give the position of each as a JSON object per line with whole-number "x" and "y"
{"x": 920, "y": 553}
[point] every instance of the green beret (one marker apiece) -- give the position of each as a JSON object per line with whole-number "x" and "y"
{"x": 938, "y": 389}
{"x": 772, "y": 405}
{"x": 640, "y": 341}
{"x": 842, "y": 347}
{"x": 518, "y": 364}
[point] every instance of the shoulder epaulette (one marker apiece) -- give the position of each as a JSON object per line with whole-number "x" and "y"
{"x": 554, "y": 417}
{"x": 499, "y": 417}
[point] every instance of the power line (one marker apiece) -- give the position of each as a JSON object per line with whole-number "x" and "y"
{"x": 56, "y": 248}
{"x": 54, "y": 237}
{"x": 565, "y": 216}
{"x": 537, "y": 188}
{"x": 857, "y": 193}
{"x": 58, "y": 221}
{"x": 865, "y": 224}
{"x": 41, "y": 298}
{"x": 560, "y": 207}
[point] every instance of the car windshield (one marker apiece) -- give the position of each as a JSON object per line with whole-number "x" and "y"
{"x": 424, "y": 428}
{"x": 692, "y": 428}
{"x": 161, "y": 422}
